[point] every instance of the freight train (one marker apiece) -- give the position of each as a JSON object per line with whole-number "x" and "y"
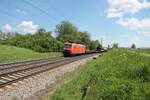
{"x": 76, "y": 49}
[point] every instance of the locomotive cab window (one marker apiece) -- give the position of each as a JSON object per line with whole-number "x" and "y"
{"x": 67, "y": 45}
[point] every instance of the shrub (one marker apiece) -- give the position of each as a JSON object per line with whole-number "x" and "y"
{"x": 118, "y": 75}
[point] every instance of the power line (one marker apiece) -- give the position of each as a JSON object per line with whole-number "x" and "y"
{"x": 10, "y": 15}
{"x": 61, "y": 14}
{"x": 41, "y": 10}
{"x": 8, "y": 4}
{"x": 68, "y": 18}
{"x": 54, "y": 8}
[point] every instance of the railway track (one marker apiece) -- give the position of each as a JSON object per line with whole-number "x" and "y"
{"x": 27, "y": 62}
{"x": 13, "y": 72}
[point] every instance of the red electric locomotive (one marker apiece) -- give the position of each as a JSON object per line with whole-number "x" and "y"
{"x": 73, "y": 48}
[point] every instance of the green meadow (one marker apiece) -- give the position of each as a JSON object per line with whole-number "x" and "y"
{"x": 144, "y": 51}
{"x": 118, "y": 75}
{"x": 11, "y": 54}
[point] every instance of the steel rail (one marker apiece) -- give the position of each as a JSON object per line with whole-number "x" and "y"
{"x": 8, "y": 65}
{"x": 12, "y": 77}
{"x": 14, "y": 70}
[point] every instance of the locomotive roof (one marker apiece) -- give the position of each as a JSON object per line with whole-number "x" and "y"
{"x": 74, "y": 44}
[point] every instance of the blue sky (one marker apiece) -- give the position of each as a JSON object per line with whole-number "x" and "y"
{"x": 116, "y": 21}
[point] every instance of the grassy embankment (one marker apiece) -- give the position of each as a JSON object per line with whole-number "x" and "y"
{"x": 11, "y": 54}
{"x": 147, "y": 51}
{"x": 118, "y": 75}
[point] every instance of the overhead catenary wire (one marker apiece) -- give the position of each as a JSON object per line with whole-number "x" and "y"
{"x": 10, "y": 15}
{"x": 41, "y": 10}
{"x": 16, "y": 7}
{"x": 27, "y": 17}
{"x": 54, "y": 8}
{"x": 38, "y": 8}
{"x": 70, "y": 18}
{"x": 24, "y": 16}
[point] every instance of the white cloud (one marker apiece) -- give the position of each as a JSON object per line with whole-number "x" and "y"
{"x": 134, "y": 23}
{"x": 135, "y": 40}
{"x": 27, "y": 26}
{"x": 112, "y": 13}
{"x": 7, "y": 27}
{"x": 120, "y": 7}
{"x": 138, "y": 25}
{"x": 139, "y": 43}
{"x": 107, "y": 40}
{"x": 145, "y": 33}
{"x": 20, "y": 11}
{"x": 126, "y": 41}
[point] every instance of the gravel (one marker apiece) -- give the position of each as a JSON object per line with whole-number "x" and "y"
{"x": 26, "y": 88}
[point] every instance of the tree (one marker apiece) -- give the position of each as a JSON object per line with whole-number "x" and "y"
{"x": 94, "y": 44}
{"x": 43, "y": 32}
{"x": 6, "y": 35}
{"x": 133, "y": 46}
{"x": 108, "y": 47}
{"x": 1, "y": 35}
{"x": 67, "y": 32}
{"x": 41, "y": 41}
{"x": 115, "y": 45}
{"x": 84, "y": 38}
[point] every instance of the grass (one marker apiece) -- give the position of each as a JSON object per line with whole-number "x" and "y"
{"x": 144, "y": 51}
{"x": 14, "y": 98}
{"x": 118, "y": 75}
{"x": 11, "y": 54}
{"x": 60, "y": 81}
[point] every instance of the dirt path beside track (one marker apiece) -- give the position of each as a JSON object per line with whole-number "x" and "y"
{"x": 145, "y": 54}
{"x": 142, "y": 54}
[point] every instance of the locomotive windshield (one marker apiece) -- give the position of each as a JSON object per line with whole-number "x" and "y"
{"x": 67, "y": 45}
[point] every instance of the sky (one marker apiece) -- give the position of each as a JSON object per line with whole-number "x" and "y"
{"x": 113, "y": 21}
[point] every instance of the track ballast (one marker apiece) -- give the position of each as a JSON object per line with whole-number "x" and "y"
{"x": 13, "y": 72}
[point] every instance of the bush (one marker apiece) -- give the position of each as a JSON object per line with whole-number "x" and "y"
{"x": 118, "y": 75}
{"x": 37, "y": 42}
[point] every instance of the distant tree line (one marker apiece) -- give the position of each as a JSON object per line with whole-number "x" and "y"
{"x": 43, "y": 41}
